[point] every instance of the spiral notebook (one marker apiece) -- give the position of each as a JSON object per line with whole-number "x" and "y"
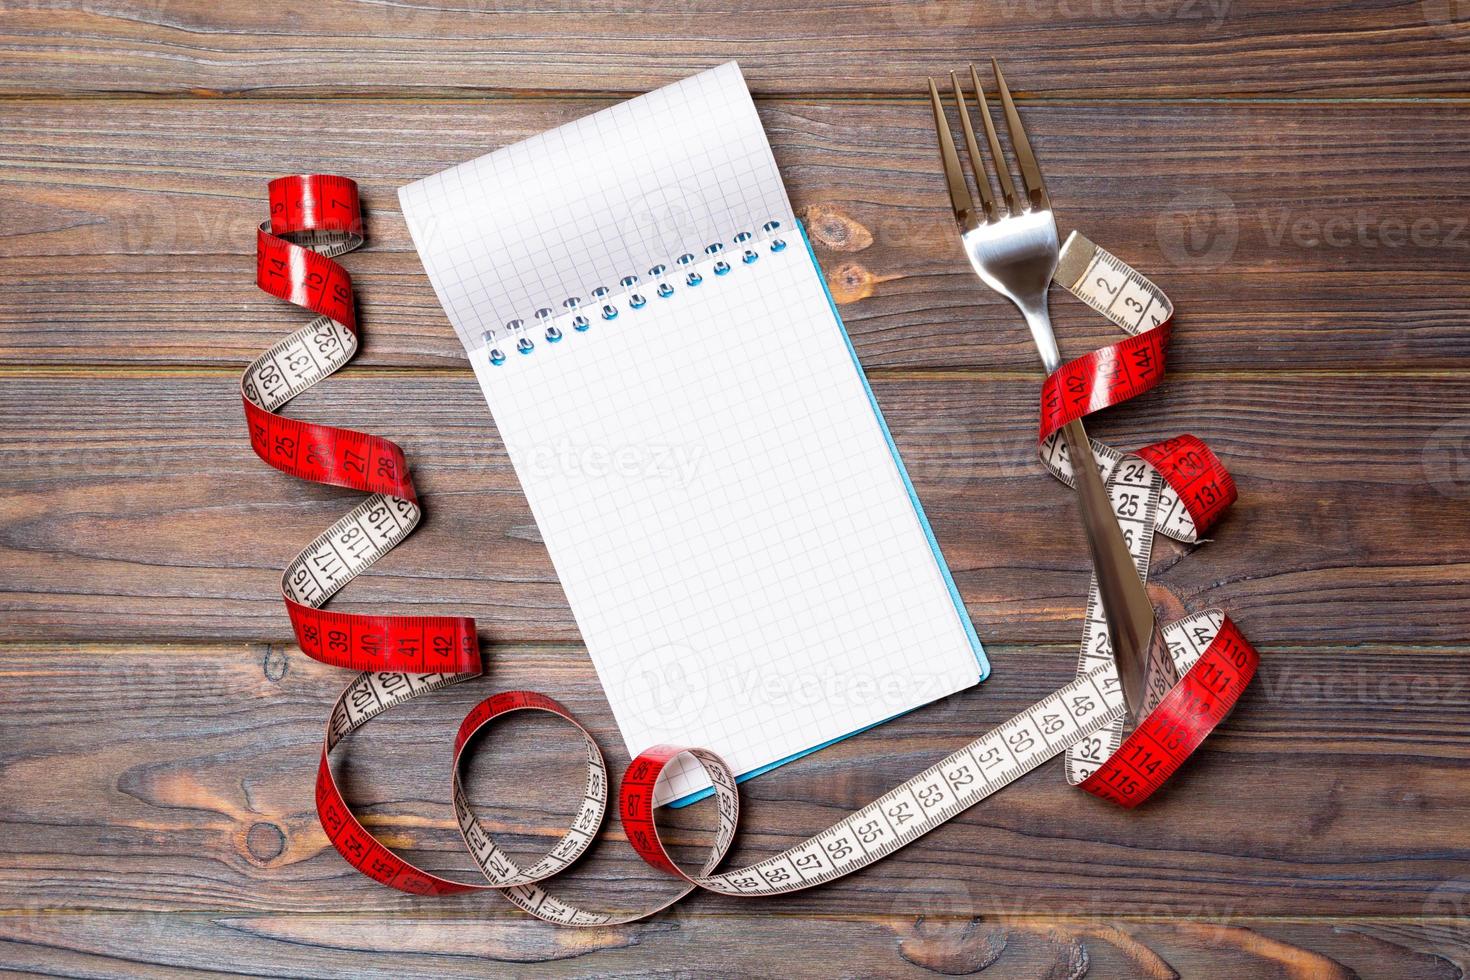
{"x": 740, "y": 545}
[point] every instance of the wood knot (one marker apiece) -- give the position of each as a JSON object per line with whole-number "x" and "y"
{"x": 851, "y": 281}
{"x": 265, "y": 842}
{"x": 952, "y": 948}
{"x": 1167, "y": 605}
{"x": 830, "y": 227}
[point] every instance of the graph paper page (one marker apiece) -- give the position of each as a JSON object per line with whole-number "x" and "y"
{"x": 589, "y": 202}
{"x": 719, "y": 496}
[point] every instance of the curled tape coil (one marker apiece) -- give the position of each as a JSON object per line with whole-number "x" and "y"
{"x": 1176, "y": 487}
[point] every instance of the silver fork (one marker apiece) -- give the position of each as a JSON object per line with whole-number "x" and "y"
{"x": 1012, "y": 245}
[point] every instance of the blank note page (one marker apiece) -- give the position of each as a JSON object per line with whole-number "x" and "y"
{"x": 730, "y": 526}
{"x": 719, "y": 496}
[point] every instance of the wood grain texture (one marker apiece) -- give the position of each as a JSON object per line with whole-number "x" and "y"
{"x": 747, "y": 945}
{"x": 129, "y": 225}
{"x": 158, "y": 738}
{"x": 1112, "y": 48}
{"x": 135, "y": 506}
{"x": 183, "y": 777}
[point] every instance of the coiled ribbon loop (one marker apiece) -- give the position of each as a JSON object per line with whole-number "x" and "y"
{"x": 1176, "y": 487}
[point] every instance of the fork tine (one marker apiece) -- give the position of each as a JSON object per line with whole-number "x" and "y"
{"x": 954, "y": 177}
{"x": 1002, "y": 169}
{"x": 1030, "y": 172}
{"x": 977, "y": 162}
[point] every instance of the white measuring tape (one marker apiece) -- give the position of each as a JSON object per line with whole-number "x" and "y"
{"x": 1173, "y": 488}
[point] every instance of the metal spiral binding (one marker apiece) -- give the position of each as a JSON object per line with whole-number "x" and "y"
{"x": 608, "y": 302}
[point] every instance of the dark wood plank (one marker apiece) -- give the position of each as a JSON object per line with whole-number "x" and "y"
{"x": 130, "y": 225}
{"x": 134, "y": 506}
{"x": 1111, "y": 48}
{"x": 155, "y": 793}
{"x": 429, "y": 946}
{"x": 179, "y": 778}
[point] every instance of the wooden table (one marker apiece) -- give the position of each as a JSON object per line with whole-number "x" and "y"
{"x": 1296, "y": 179}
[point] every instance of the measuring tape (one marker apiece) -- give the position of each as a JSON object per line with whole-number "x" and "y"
{"x": 1176, "y": 487}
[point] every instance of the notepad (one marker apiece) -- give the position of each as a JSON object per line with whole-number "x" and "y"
{"x": 739, "y": 542}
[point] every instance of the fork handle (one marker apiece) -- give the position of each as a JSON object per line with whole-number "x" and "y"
{"x": 1143, "y": 661}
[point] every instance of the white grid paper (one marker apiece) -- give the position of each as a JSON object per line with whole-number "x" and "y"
{"x": 709, "y": 475}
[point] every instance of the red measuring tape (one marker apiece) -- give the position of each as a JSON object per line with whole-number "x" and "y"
{"x": 1176, "y": 487}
